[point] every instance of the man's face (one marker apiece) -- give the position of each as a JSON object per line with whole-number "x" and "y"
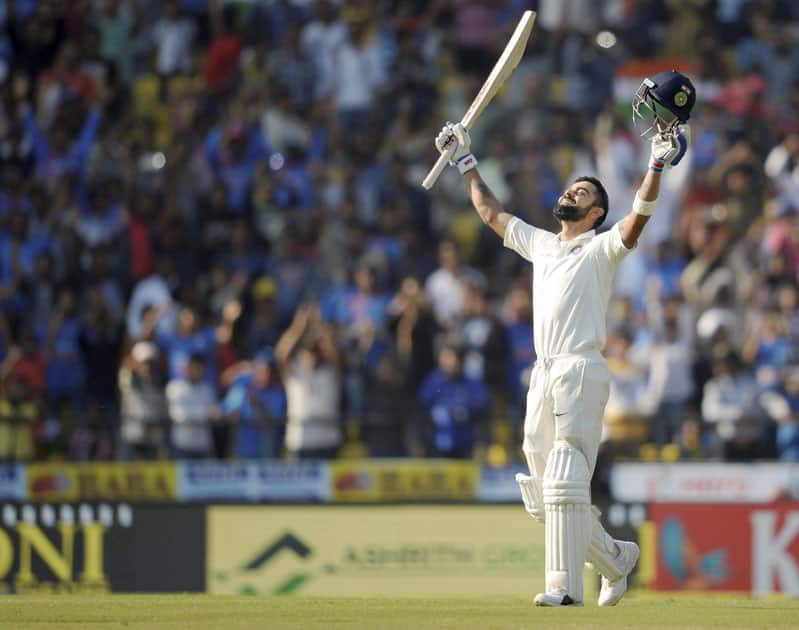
{"x": 187, "y": 320}
{"x": 449, "y": 362}
{"x": 575, "y": 202}
{"x": 447, "y": 256}
{"x": 196, "y": 371}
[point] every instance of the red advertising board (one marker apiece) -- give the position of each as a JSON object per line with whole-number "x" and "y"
{"x": 725, "y": 547}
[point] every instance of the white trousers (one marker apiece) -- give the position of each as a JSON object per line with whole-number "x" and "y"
{"x": 566, "y": 401}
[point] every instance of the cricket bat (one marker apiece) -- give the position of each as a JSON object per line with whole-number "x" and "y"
{"x": 499, "y": 74}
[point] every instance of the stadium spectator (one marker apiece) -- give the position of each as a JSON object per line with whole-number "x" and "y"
{"x": 172, "y": 36}
{"x": 444, "y": 286}
{"x": 781, "y": 403}
{"x": 116, "y": 25}
{"x": 100, "y": 342}
{"x": 730, "y": 404}
{"x": 309, "y": 363}
{"x": 483, "y": 337}
{"x": 193, "y": 406}
{"x": 629, "y": 406}
{"x": 521, "y": 355}
{"x": 19, "y": 418}
{"x": 456, "y": 406}
{"x": 144, "y": 419}
{"x": 414, "y": 330}
{"x": 670, "y": 384}
{"x": 255, "y": 405}
{"x": 390, "y": 426}
{"x": 60, "y": 338}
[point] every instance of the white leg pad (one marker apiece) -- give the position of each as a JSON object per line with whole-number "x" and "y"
{"x": 532, "y": 495}
{"x": 602, "y": 550}
{"x": 567, "y": 503}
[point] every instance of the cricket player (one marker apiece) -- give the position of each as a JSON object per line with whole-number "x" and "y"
{"x": 572, "y": 279}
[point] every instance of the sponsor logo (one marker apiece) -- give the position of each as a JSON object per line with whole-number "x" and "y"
{"x": 775, "y": 552}
{"x": 287, "y": 544}
{"x": 49, "y": 483}
{"x": 728, "y": 547}
{"x": 359, "y": 551}
{"x": 704, "y": 482}
{"x": 253, "y": 481}
{"x": 689, "y": 567}
{"x": 215, "y": 473}
{"x": 353, "y": 482}
{"x": 8, "y": 473}
{"x": 12, "y": 482}
{"x": 104, "y": 482}
{"x": 404, "y": 481}
{"x": 49, "y": 549}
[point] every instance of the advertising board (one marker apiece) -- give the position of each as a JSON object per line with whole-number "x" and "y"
{"x": 12, "y": 482}
{"x": 363, "y": 551}
{"x": 398, "y": 480}
{"x": 710, "y": 482}
{"x": 74, "y": 548}
{"x": 102, "y": 481}
{"x": 751, "y": 548}
{"x": 249, "y": 481}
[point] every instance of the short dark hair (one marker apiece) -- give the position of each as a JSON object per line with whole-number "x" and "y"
{"x": 602, "y": 197}
{"x": 196, "y": 358}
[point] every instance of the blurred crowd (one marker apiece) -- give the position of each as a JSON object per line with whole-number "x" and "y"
{"x": 213, "y": 242}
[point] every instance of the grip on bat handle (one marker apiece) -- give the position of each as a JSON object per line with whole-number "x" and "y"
{"x": 438, "y": 168}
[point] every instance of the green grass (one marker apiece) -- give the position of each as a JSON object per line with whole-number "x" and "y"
{"x": 204, "y": 612}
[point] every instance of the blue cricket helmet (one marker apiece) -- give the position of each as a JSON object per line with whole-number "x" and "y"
{"x": 663, "y": 101}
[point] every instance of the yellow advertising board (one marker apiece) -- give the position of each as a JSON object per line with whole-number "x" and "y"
{"x": 374, "y": 550}
{"x": 365, "y": 481}
{"x": 106, "y": 481}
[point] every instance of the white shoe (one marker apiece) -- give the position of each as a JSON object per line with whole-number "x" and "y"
{"x": 612, "y": 592}
{"x": 554, "y": 600}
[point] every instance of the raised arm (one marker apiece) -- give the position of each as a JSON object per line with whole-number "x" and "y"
{"x": 485, "y": 203}
{"x": 667, "y": 150}
{"x": 291, "y": 337}
{"x": 633, "y": 224}
{"x": 455, "y": 140}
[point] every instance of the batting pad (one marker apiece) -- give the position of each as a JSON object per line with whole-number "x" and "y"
{"x": 568, "y": 519}
{"x": 532, "y": 495}
{"x": 602, "y": 550}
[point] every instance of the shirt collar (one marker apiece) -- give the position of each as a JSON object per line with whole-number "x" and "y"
{"x": 581, "y": 237}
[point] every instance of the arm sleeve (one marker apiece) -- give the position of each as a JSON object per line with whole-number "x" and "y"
{"x": 40, "y": 148}
{"x": 85, "y": 140}
{"x": 714, "y": 408}
{"x": 176, "y": 401}
{"x": 427, "y": 390}
{"x": 611, "y": 247}
{"x": 211, "y": 150}
{"x": 521, "y": 237}
{"x": 233, "y": 399}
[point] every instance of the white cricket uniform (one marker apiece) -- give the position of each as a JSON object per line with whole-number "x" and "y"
{"x": 570, "y": 381}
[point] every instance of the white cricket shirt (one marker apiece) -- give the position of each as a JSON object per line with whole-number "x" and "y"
{"x": 572, "y": 282}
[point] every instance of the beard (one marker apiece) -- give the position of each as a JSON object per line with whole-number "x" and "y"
{"x": 564, "y": 212}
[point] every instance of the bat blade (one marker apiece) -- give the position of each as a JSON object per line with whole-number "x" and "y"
{"x": 508, "y": 60}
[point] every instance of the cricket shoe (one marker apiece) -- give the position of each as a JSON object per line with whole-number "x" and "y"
{"x": 612, "y": 592}
{"x": 554, "y": 600}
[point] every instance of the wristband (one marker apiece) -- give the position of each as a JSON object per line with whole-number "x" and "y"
{"x": 645, "y": 208}
{"x": 466, "y": 163}
{"x": 656, "y": 165}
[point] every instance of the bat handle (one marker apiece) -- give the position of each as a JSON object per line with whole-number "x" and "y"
{"x": 437, "y": 169}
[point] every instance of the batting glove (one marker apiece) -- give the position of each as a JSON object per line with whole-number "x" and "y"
{"x": 454, "y": 140}
{"x": 668, "y": 149}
